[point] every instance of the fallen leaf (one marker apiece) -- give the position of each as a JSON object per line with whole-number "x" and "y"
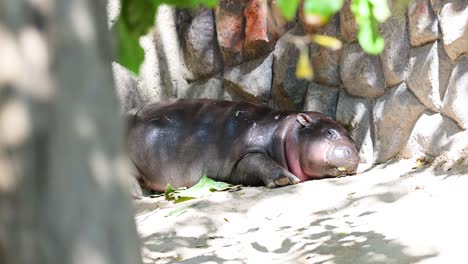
{"x": 202, "y": 188}
{"x": 350, "y": 195}
{"x": 418, "y": 164}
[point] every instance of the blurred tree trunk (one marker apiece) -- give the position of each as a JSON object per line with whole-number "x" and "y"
{"x": 63, "y": 198}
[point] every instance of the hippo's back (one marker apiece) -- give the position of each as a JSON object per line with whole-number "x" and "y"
{"x": 179, "y": 141}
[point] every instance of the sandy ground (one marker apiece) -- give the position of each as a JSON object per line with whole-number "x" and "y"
{"x": 390, "y": 214}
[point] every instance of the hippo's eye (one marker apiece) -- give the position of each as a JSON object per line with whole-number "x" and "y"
{"x": 330, "y": 134}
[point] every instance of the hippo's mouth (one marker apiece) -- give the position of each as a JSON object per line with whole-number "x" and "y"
{"x": 342, "y": 160}
{"x": 340, "y": 171}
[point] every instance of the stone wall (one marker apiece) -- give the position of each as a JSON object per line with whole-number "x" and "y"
{"x": 408, "y": 102}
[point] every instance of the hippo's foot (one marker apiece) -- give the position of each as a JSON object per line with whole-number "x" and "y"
{"x": 280, "y": 178}
{"x": 260, "y": 167}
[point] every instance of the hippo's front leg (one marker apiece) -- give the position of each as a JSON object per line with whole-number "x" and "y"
{"x": 262, "y": 167}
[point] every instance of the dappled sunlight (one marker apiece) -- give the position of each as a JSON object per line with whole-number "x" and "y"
{"x": 382, "y": 216}
{"x": 385, "y": 215}
{"x": 161, "y": 71}
{"x": 11, "y": 62}
{"x": 81, "y": 22}
{"x": 15, "y": 123}
{"x": 65, "y": 177}
{"x": 36, "y": 61}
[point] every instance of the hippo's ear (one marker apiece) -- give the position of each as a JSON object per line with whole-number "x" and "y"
{"x": 305, "y": 120}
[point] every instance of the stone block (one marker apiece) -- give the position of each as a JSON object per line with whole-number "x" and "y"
{"x": 453, "y": 20}
{"x": 354, "y": 113}
{"x": 322, "y": 99}
{"x": 455, "y": 104}
{"x": 201, "y": 50}
{"x": 251, "y": 80}
{"x": 362, "y": 74}
{"x": 394, "y": 115}
{"x": 395, "y": 55}
{"x": 423, "y": 24}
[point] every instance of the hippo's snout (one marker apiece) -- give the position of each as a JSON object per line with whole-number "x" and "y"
{"x": 342, "y": 153}
{"x": 343, "y": 159}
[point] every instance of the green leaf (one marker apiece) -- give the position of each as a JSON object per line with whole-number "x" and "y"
{"x": 209, "y": 3}
{"x": 130, "y": 54}
{"x": 324, "y": 9}
{"x": 188, "y": 3}
{"x": 137, "y": 17}
{"x": 288, "y": 8}
{"x": 368, "y": 33}
{"x": 169, "y": 190}
{"x": 380, "y": 10}
{"x": 370, "y": 40}
{"x": 360, "y": 9}
{"x": 202, "y": 188}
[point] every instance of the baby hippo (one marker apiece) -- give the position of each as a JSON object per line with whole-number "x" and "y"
{"x": 179, "y": 141}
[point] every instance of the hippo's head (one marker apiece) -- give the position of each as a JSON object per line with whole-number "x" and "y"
{"x": 323, "y": 148}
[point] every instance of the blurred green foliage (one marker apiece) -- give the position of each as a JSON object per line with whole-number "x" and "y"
{"x": 288, "y": 8}
{"x": 138, "y": 16}
{"x": 202, "y": 188}
{"x": 323, "y": 10}
{"x": 368, "y": 15}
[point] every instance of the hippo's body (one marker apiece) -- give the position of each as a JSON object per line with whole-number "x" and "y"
{"x": 178, "y": 142}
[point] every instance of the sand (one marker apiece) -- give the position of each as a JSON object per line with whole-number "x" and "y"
{"x": 394, "y": 213}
